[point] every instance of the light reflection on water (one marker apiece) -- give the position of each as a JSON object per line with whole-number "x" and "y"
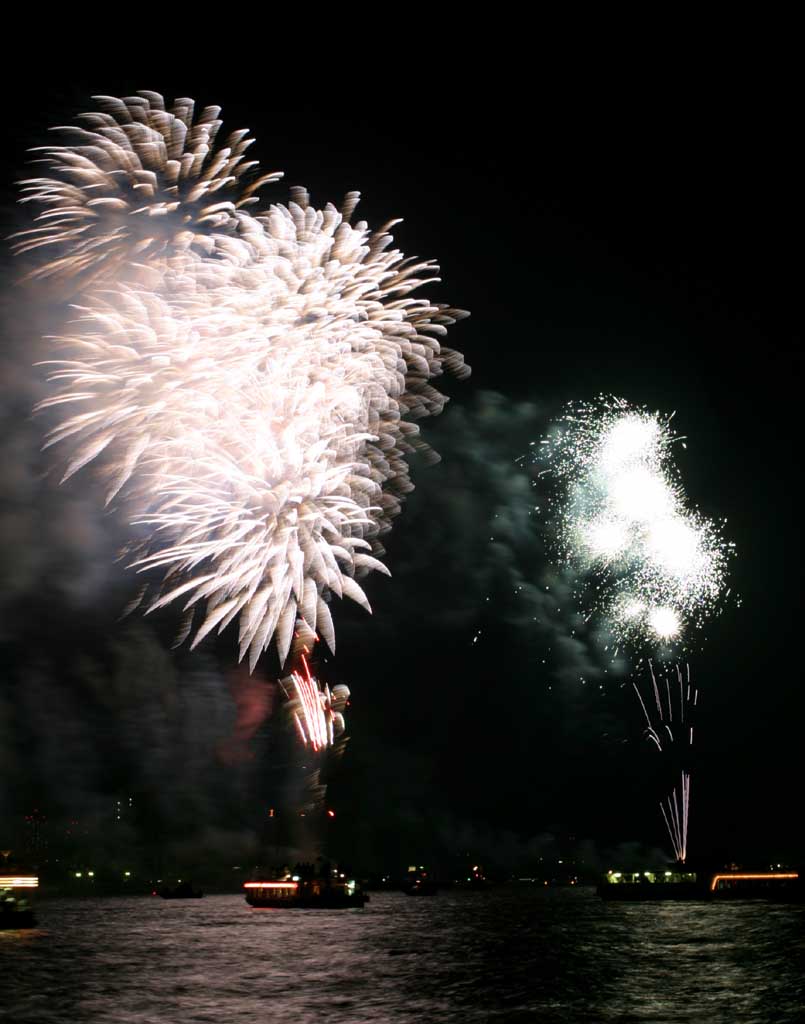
{"x": 505, "y": 955}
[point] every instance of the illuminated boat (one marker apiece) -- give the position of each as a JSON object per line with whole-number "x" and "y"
{"x": 310, "y": 893}
{"x": 15, "y": 892}
{"x": 781, "y": 886}
{"x": 679, "y": 884}
{"x": 676, "y": 884}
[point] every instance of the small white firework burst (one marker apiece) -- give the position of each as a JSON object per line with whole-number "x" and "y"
{"x": 657, "y": 565}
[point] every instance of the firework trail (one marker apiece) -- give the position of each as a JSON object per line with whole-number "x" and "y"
{"x": 674, "y": 713}
{"x": 622, "y": 521}
{"x": 675, "y": 699}
{"x": 317, "y": 712}
{"x": 676, "y": 818}
{"x": 242, "y": 379}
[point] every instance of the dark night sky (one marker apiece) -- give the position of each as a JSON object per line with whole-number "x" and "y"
{"x": 668, "y": 272}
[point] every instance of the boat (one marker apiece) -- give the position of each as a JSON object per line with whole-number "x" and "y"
{"x": 419, "y": 883}
{"x": 305, "y": 893}
{"x": 181, "y": 891}
{"x": 780, "y": 886}
{"x": 420, "y": 887}
{"x": 651, "y": 885}
{"x": 15, "y": 892}
{"x": 680, "y": 884}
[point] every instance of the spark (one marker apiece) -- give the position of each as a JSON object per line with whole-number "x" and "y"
{"x": 243, "y": 379}
{"x": 651, "y": 732}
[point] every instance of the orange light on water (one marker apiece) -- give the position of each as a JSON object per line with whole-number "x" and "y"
{"x": 759, "y": 877}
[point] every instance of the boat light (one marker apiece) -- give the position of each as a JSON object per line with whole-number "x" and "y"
{"x": 759, "y": 877}
{"x": 269, "y": 885}
{"x": 18, "y": 881}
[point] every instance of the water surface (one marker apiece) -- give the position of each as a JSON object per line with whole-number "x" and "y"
{"x": 512, "y": 954}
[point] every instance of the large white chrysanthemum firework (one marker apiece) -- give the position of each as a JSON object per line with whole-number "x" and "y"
{"x": 243, "y": 381}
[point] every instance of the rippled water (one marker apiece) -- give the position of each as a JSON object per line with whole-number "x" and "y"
{"x": 504, "y": 955}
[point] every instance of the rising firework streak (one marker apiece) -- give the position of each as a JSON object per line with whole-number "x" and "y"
{"x": 674, "y": 700}
{"x": 676, "y": 818}
{"x": 317, "y": 712}
{"x": 243, "y": 379}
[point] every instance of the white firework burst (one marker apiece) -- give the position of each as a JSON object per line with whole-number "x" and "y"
{"x": 137, "y": 182}
{"x": 623, "y": 521}
{"x": 244, "y": 382}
